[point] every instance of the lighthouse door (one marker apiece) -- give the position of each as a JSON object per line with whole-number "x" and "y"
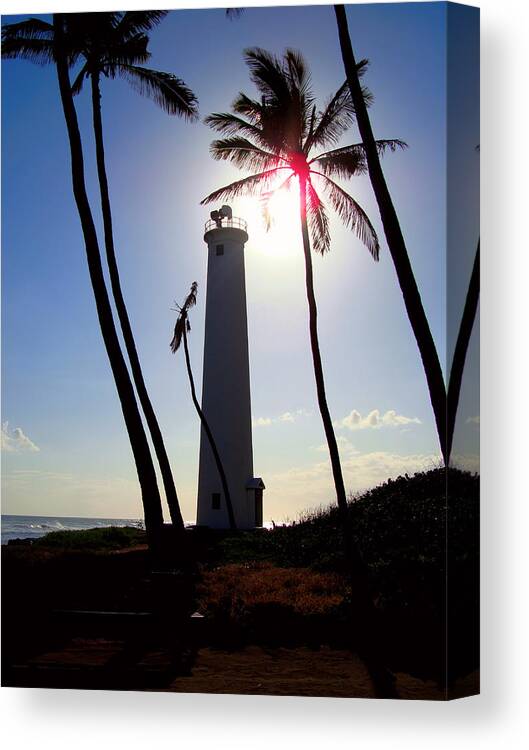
{"x": 259, "y": 507}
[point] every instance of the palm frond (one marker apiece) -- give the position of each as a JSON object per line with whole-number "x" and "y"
{"x": 352, "y": 214}
{"x": 165, "y": 89}
{"x": 312, "y": 124}
{"x": 90, "y": 24}
{"x": 133, "y": 51}
{"x": 191, "y": 298}
{"x": 298, "y": 72}
{"x": 134, "y": 21}
{"x": 284, "y": 86}
{"x": 275, "y": 121}
{"x": 388, "y": 143}
{"x": 31, "y": 28}
{"x": 335, "y": 119}
{"x": 283, "y": 127}
{"x": 182, "y": 322}
{"x": 350, "y": 161}
{"x": 302, "y": 98}
{"x": 361, "y": 67}
{"x": 337, "y": 115}
{"x": 31, "y": 40}
{"x": 250, "y": 108}
{"x": 318, "y": 221}
{"x": 224, "y": 122}
{"x": 382, "y": 145}
{"x": 345, "y": 163}
{"x": 244, "y": 154}
{"x": 104, "y": 43}
{"x": 233, "y": 13}
{"x": 86, "y": 31}
{"x": 39, "y": 51}
{"x": 77, "y": 85}
{"x": 255, "y": 183}
{"x": 177, "y": 334}
{"x": 268, "y": 74}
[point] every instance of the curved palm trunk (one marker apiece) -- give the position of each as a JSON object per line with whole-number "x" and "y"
{"x": 341, "y": 496}
{"x": 365, "y": 617}
{"x": 209, "y": 434}
{"x": 128, "y": 336}
{"x": 395, "y": 239}
{"x": 140, "y": 447}
{"x": 460, "y": 353}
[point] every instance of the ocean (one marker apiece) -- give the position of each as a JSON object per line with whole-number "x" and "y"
{"x": 32, "y": 527}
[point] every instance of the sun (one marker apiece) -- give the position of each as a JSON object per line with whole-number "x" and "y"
{"x": 284, "y": 236}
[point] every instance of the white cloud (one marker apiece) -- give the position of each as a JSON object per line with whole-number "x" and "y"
{"x": 287, "y": 416}
{"x": 344, "y": 446}
{"x": 375, "y": 420}
{"x": 289, "y": 492}
{"x": 15, "y": 441}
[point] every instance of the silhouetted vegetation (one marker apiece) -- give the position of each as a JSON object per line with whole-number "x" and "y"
{"x": 398, "y": 522}
{"x": 112, "y": 537}
{"x": 401, "y": 529}
{"x": 288, "y": 586}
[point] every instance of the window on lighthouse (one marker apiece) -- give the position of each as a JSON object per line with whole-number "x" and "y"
{"x": 219, "y": 249}
{"x": 215, "y": 501}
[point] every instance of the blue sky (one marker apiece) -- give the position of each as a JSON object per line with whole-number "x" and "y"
{"x": 70, "y": 455}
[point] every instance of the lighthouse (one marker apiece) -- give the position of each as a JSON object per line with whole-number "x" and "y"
{"x": 226, "y": 401}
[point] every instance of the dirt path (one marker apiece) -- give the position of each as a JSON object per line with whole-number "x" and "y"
{"x": 250, "y": 671}
{"x": 258, "y": 671}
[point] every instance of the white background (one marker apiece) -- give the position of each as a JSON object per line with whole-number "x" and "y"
{"x": 499, "y": 717}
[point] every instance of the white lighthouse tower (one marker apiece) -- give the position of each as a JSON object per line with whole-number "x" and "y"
{"x": 226, "y": 382}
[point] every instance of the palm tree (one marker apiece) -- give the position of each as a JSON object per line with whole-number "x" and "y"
{"x": 277, "y": 136}
{"x": 39, "y": 45}
{"x": 181, "y": 330}
{"x": 394, "y": 238}
{"x": 112, "y": 44}
{"x": 460, "y": 353}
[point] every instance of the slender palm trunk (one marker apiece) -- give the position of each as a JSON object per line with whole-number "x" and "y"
{"x": 395, "y": 239}
{"x": 460, "y": 353}
{"x": 209, "y": 435}
{"x": 364, "y": 617}
{"x": 140, "y": 447}
{"x": 341, "y": 496}
{"x": 128, "y": 336}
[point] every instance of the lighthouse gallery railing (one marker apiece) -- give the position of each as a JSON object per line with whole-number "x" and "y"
{"x": 234, "y": 223}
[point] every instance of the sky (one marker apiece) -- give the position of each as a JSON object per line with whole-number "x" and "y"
{"x": 64, "y": 447}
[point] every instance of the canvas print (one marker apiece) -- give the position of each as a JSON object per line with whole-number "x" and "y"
{"x": 240, "y": 350}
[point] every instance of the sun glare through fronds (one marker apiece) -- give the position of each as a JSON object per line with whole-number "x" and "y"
{"x": 278, "y": 234}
